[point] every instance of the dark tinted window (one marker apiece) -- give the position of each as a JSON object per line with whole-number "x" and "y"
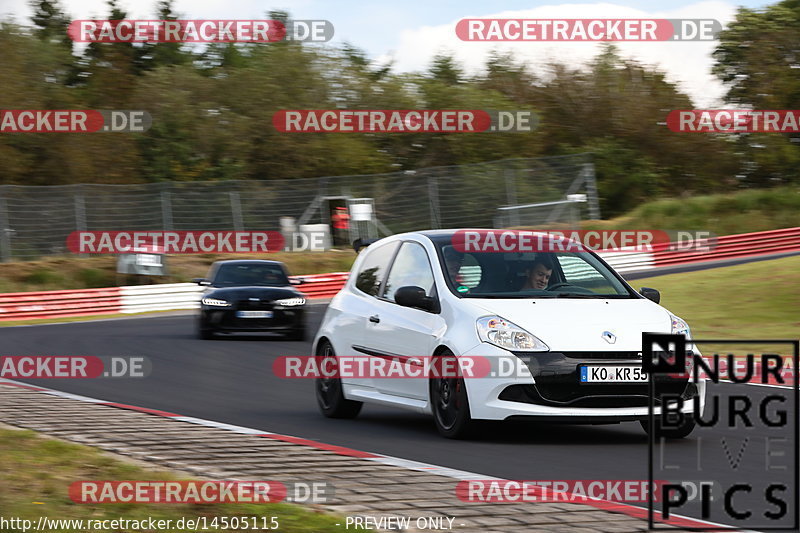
{"x": 373, "y": 269}
{"x": 250, "y": 274}
{"x": 507, "y": 275}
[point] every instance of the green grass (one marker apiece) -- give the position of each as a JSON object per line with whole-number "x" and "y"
{"x": 759, "y": 300}
{"x": 36, "y": 472}
{"x": 723, "y": 214}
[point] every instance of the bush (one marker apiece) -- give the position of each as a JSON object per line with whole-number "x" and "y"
{"x": 93, "y": 278}
{"x": 44, "y": 276}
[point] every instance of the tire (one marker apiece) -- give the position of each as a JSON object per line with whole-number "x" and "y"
{"x": 450, "y": 406}
{"x": 679, "y": 432}
{"x": 297, "y": 334}
{"x": 330, "y": 396}
{"x": 204, "y": 332}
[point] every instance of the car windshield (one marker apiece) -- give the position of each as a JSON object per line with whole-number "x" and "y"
{"x": 250, "y": 275}
{"x": 529, "y": 275}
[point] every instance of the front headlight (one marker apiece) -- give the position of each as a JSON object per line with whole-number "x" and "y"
{"x": 291, "y": 302}
{"x": 680, "y": 327}
{"x": 500, "y": 332}
{"x": 213, "y": 302}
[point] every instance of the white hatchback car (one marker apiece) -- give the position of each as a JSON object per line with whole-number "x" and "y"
{"x": 567, "y": 319}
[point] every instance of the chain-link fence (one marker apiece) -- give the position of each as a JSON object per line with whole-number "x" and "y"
{"x": 35, "y": 221}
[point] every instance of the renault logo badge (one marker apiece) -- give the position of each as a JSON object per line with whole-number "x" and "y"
{"x": 609, "y": 337}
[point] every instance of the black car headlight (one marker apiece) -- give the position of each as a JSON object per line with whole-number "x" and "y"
{"x": 215, "y": 302}
{"x": 291, "y": 302}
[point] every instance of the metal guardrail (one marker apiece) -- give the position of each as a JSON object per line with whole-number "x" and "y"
{"x": 142, "y": 298}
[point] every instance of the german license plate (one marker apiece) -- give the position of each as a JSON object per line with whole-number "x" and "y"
{"x": 254, "y": 314}
{"x": 612, "y": 374}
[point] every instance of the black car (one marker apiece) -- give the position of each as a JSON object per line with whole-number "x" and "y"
{"x": 251, "y": 296}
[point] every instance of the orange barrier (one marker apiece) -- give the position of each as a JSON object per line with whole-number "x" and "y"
{"x": 54, "y": 304}
{"x": 732, "y": 247}
{"x": 322, "y": 285}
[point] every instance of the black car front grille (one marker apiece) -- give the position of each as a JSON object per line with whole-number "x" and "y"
{"x": 249, "y": 305}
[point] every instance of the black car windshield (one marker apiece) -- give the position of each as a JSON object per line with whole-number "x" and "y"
{"x": 529, "y": 275}
{"x": 250, "y": 275}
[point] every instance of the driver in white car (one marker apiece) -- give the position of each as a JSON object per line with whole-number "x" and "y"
{"x": 538, "y": 276}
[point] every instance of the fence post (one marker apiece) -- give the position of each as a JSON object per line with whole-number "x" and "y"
{"x": 166, "y": 207}
{"x": 80, "y": 212}
{"x": 591, "y": 188}
{"x": 236, "y": 211}
{"x": 511, "y": 196}
{"x": 433, "y": 200}
{"x": 5, "y": 229}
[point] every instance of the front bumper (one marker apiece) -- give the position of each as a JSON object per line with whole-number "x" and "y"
{"x": 224, "y": 319}
{"x": 546, "y": 385}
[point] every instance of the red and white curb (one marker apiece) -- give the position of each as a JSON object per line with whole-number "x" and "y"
{"x": 604, "y": 505}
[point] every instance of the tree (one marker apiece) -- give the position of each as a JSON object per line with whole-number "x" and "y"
{"x": 149, "y": 56}
{"x": 51, "y": 22}
{"x": 110, "y": 69}
{"x": 758, "y": 58}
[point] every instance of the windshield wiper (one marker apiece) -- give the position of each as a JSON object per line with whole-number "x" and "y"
{"x": 578, "y": 295}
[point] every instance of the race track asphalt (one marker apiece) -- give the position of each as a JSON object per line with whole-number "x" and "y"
{"x": 231, "y": 380}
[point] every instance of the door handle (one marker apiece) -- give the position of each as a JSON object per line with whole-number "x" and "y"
{"x": 375, "y": 319}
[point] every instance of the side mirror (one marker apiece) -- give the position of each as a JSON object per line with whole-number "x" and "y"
{"x": 412, "y": 296}
{"x": 296, "y": 281}
{"x": 202, "y": 282}
{"x": 650, "y": 294}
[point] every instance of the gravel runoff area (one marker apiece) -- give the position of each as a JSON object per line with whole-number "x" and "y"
{"x": 364, "y": 484}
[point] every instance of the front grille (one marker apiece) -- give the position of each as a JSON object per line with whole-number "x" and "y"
{"x": 566, "y": 389}
{"x": 247, "y": 305}
{"x": 558, "y": 383}
{"x": 530, "y": 394}
{"x": 281, "y": 318}
{"x": 607, "y": 395}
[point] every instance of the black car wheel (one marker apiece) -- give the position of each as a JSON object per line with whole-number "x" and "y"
{"x": 204, "y": 332}
{"x": 450, "y": 405}
{"x": 298, "y": 334}
{"x": 330, "y": 396}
